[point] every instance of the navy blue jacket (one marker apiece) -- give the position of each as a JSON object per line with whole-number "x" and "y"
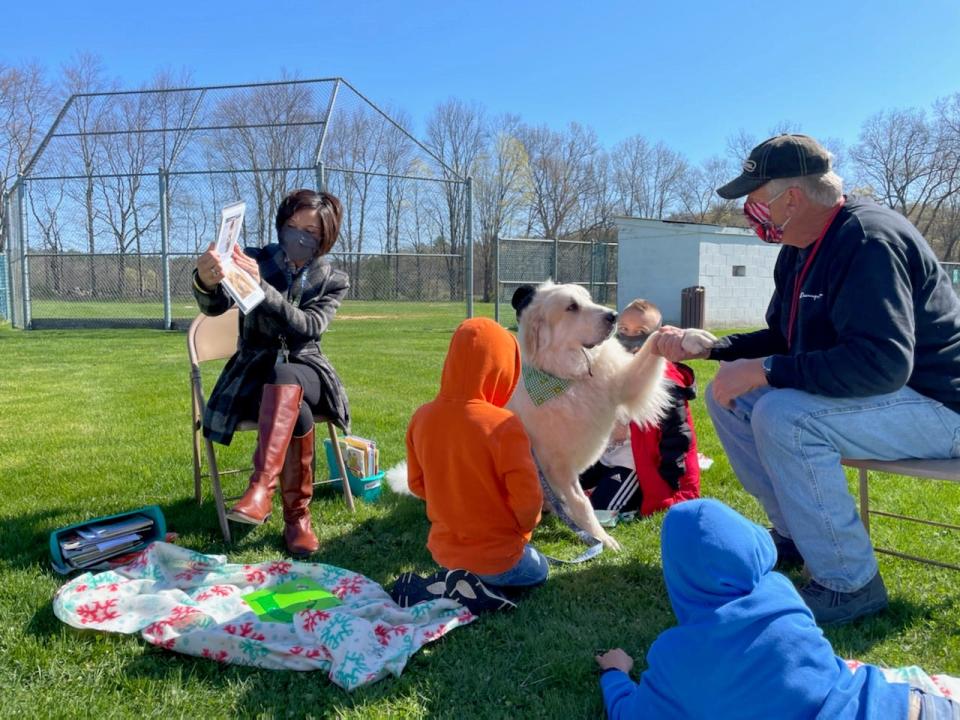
{"x": 875, "y": 312}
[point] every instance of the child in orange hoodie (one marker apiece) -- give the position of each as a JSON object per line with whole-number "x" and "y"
{"x": 469, "y": 458}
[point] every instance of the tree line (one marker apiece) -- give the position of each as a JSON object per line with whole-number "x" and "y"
{"x": 401, "y": 195}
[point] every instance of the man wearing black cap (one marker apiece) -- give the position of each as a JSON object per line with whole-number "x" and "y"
{"x": 860, "y": 359}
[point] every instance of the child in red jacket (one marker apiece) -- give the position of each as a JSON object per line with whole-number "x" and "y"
{"x": 659, "y": 465}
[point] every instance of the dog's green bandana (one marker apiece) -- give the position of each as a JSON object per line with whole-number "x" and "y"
{"x": 542, "y": 386}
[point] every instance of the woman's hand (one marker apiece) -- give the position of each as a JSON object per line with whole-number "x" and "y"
{"x": 209, "y": 269}
{"x": 615, "y": 658}
{"x": 247, "y": 263}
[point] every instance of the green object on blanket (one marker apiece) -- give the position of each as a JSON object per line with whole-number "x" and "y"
{"x": 281, "y": 602}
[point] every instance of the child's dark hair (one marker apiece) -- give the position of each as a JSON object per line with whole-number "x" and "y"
{"x": 330, "y": 213}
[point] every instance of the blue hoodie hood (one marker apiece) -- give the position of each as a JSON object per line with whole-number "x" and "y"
{"x": 746, "y": 645}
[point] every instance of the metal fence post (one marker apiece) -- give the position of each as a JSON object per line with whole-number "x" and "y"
{"x": 321, "y": 176}
{"x": 469, "y": 238}
{"x": 556, "y": 260}
{"x": 496, "y": 278}
{"x": 24, "y": 270}
{"x": 165, "y": 251}
{"x": 7, "y": 268}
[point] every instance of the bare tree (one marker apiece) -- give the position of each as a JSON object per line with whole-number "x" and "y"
{"x": 648, "y": 179}
{"x": 357, "y": 147}
{"x": 456, "y": 134}
{"x": 46, "y": 199}
{"x": 698, "y": 193}
{"x": 85, "y": 120}
{"x": 902, "y": 156}
{"x": 130, "y": 152}
{"x": 26, "y": 106}
{"x": 501, "y": 186}
{"x": 272, "y": 135}
{"x": 398, "y": 155}
{"x": 560, "y": 174}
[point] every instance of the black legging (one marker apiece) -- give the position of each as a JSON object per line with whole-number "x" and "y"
{"x": 306, "y": 377}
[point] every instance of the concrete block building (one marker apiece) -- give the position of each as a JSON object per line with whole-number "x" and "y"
{"x": 657, "y": 259}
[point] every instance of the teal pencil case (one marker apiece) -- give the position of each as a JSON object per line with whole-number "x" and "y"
{"x": 103, "y": 542}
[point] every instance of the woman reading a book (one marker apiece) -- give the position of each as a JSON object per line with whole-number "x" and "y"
{"x": 279, "y": 374}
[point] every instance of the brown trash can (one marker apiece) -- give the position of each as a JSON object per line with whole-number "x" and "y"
{"x": 692, "y": 307}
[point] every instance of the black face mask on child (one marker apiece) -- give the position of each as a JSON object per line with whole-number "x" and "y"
{"x": 632, "y": 343}
{"x": 299, "y": 245}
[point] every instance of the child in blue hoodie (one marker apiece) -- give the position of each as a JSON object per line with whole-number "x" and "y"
{"x": 745, "y": 646}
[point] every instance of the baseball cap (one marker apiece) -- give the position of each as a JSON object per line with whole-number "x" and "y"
{"x": 782, "y": 156}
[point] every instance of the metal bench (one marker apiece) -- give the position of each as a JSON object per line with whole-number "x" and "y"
{"x": 933, "y": 469}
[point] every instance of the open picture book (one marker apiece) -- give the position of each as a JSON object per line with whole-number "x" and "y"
{"x": 236, "y": 282}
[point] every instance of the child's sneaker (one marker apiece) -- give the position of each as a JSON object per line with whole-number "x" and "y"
{"x": 410, "y": 589}
{"x": 468, "y": 590}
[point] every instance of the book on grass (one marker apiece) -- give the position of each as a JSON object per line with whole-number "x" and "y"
{"x": 236, "y": 282}
{"x": 281, "y": 602}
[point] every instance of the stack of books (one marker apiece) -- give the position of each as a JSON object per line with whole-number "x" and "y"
{"x": 281, "y": 602}
{"x": 87, "y": 545}
{"x": 360, "y": 455}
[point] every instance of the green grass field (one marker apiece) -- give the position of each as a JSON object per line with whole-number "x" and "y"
{"x": 96, "y": 422}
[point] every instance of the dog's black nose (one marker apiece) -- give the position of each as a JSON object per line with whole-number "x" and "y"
{"x": 611, "y": 317}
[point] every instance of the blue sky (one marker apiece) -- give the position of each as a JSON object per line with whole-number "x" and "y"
{"x": 688, "y": 73}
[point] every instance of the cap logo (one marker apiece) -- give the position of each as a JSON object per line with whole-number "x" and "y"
{"x": 749, "y": 165}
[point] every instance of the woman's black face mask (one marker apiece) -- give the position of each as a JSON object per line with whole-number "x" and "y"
{"x": 633, "y": 342}
{"x": 299, "y": 245}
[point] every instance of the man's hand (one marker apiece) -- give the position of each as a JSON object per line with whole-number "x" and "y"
{"x": 733, "y": 379}
{"x": 615, "y": 658}
{"x": 245, "y": 262}
{"x": 668, "y": 342}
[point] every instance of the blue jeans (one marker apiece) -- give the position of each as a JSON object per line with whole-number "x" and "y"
{"x": 785, "y": 447}
{"x": 934, "y": 707}
{"x": 531, "y": 569}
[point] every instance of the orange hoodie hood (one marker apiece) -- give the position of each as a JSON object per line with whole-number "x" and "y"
{"x": 483, "y": 363}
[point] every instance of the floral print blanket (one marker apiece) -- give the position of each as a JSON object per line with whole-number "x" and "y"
{"x": 192, "y": 603}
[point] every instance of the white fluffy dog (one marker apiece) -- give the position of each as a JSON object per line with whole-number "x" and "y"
{"x": 577, "y": 383}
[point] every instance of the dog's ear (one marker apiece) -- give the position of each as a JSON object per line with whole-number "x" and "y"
{"x": 522, "y": 297}
{"x": 536, "y": 330}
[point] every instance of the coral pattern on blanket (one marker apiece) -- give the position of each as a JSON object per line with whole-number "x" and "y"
{"x": 348, "y": 586}
{"x": 98, "y": 612}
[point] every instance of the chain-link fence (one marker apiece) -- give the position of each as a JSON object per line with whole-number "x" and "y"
{"x": 953, "y": 272}
{"x": 521, "y": 261}
{"x": 105, "y": 225}
{"x": 4, "y": 289}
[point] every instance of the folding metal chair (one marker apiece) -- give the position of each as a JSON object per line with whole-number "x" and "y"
{"x": 215, "y": 338}
{"x": 933, "y": 469}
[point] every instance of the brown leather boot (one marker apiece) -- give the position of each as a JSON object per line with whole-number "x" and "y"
{"x": 279, "y": 409}
{"x": 296, "y": 488}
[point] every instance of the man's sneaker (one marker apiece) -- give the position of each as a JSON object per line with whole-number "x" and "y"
{"x": 788, "y": 556}
{"x": 830, "y": 607}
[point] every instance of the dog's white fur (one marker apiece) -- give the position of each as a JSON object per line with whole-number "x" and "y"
{"x": 397, "y": 478}
{"x": 564, "y": 333}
